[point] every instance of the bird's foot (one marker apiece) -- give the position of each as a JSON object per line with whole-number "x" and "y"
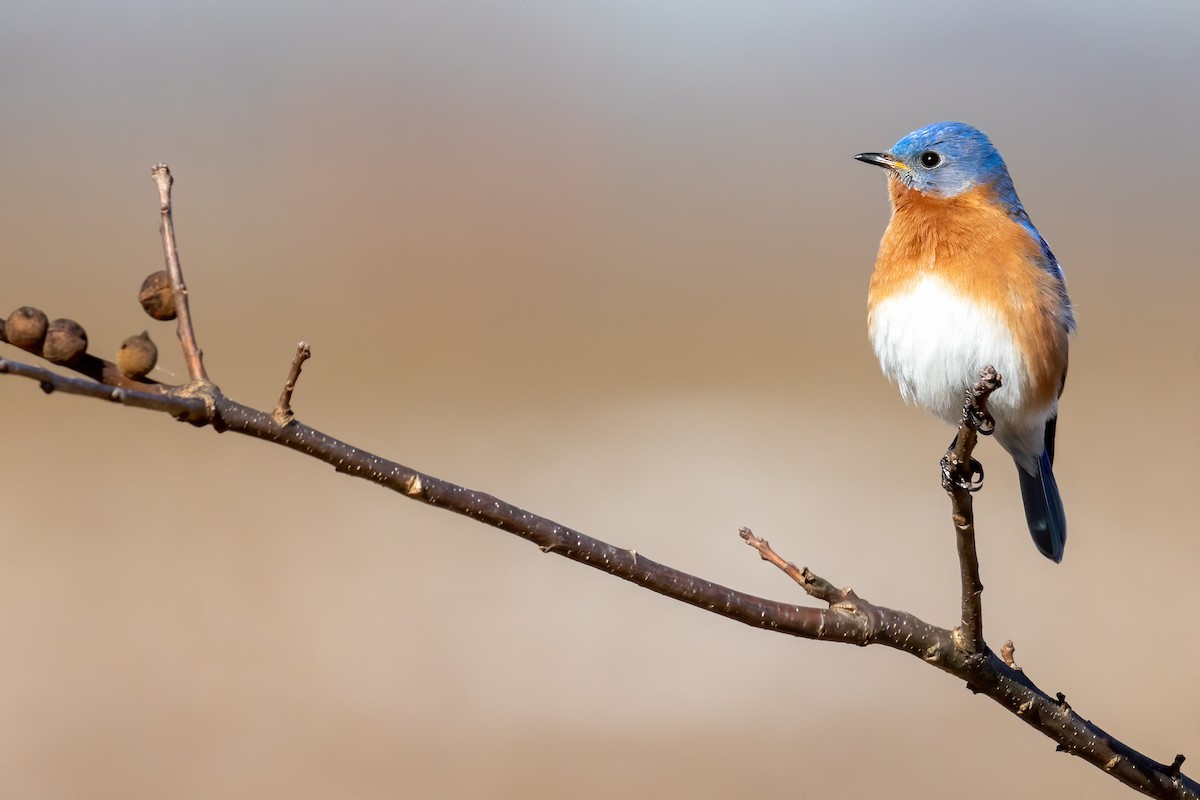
{"x": 957, "y": 475}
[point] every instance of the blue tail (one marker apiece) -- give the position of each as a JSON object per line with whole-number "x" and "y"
{"x": 1044, "y": 509}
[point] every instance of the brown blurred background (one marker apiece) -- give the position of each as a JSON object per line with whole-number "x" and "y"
{"x": 609, "y": 262}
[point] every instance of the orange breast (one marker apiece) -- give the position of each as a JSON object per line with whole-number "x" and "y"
{"x": 972, "y": 244}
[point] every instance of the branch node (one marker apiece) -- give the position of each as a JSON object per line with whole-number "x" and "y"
{"x": 1173, "y": 769}
{"x": 412, "y": 486}
{"x": 1062, "y": 701}
{"x": 1006, "y": 655}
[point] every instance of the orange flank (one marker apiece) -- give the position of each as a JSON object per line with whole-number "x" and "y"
{"x": 971, "y": 244}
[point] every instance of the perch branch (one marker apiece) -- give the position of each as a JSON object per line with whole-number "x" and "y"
{"x": 962, "y": 475}
{"x": 858, "y": 622}
{"x": 848, "y": 618}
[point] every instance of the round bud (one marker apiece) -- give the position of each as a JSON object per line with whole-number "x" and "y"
{"x": 66, "y": 340}
{"x": 156, "y": 296}
{"x": 137, "y": 356}
{"x": 26, "y": 328}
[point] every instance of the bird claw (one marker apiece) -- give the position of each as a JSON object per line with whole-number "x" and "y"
{"x": 953, "y": 474}
{"x": 975, "y": 479}
{"x": 980, "y": 420}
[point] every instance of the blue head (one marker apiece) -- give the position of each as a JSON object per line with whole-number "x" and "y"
{"x": 946, "y": 159}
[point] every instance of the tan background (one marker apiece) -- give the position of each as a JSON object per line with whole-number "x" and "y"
{"x": 609, "y": 262}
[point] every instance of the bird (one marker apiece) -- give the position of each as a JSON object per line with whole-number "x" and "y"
{"x": 964, "y": 280}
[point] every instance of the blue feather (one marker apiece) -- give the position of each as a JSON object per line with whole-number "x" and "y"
{"x": 1044, "y": 509}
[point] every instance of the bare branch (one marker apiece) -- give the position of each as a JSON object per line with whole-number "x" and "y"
{"x": 854, "y": 622}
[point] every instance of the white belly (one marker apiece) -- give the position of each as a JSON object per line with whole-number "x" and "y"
{"x": 934, "y": 344}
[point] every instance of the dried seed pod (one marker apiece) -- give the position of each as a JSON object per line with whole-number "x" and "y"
{"x": 66, "y": 340}
{"x": 137, "y": 356}
{"x": 26, "y": 328}
{"x": 156, "y": 296}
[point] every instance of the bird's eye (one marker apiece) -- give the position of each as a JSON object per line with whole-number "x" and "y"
{"x": 930, "y": 159}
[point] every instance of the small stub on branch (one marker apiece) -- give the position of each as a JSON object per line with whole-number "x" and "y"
{"x": 283, "y": 411}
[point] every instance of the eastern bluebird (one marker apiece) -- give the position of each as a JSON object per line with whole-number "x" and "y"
{"x": 964, "y": 280}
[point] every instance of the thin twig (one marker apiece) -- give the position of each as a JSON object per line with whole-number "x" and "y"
{"x": 192, "y": 355}
{"x": 191, "y": 409}
{"x": 283, "y": 411}
{"x": 814, "y": 585}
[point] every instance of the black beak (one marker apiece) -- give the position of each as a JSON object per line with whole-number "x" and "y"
{"x": 880, "y": 160}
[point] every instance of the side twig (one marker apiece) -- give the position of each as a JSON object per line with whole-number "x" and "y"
{"x": 283, "y": 410}
{"x": 814, "y": 585}
{"x": 192, "y": 355}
